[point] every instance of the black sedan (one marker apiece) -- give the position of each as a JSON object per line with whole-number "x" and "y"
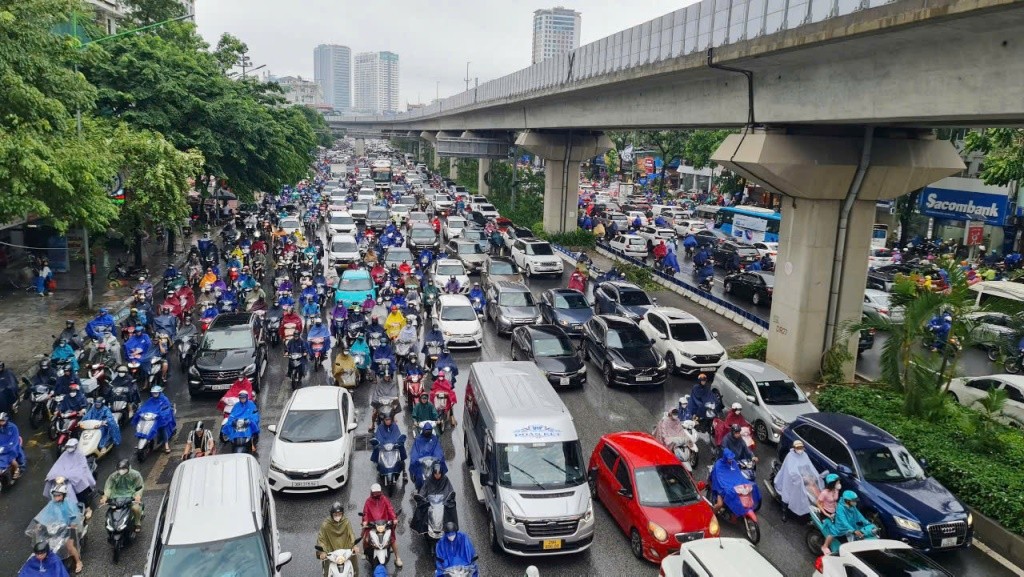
{"x": 756, "y": 286}
{"x": 566, "y": 308}
{"x": 623, "y": 352}
{"x": 550, "y": 348}
{"x": 726, "y": 253}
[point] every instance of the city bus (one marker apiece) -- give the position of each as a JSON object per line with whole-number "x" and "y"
{"x": 707, "y": 213}
{"x": 380, "y": 171}
{"x": 879, "y": 235}
{"x": 749, "y": 223}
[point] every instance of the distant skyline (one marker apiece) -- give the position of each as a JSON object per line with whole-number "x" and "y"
{"x": 434, "y": 41}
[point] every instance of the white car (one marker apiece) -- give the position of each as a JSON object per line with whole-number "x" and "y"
{"x": 653, "y": 234}
{"x": 634, "y": 214}
{"x": 290, "y": 225}
{"x": 620, "y": 220}
{"x": 399, "y": 212}
{"x": 487, "y": 209}
{"x": 343, "y": 249}
{"x": 313, "y": 446}
{"x": 341, "y": 223}
{"x": 442, "y": 202}
{"x": 534, "y": 257}
{"x": 632, "y": 245}
{"x": 879, "y": 257}
{"x": 446, "y": 268}
{"x": 684, "y": 227}
{"x": 718, "y": 557}
{"x": 969, "y": 390}
{"x": 767, "y": 248}
{"x": 359, "y": 209}
{"x": 687, "y": 346}
{"x": 452, "y": 227}
{"x": 457, "y": 320}
{"x": 877, "y": 558}
{"x": 476, "y": 201}
{"x": 877, "y": 303}
{"x": 338, "y": 202}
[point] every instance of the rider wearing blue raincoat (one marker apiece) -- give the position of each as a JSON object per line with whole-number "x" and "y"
{"x": 426, "y": 257}
{"x": 849, "y": 518}
{"x": 385, "y": 434}
{"x": 446, "y": 361}
{"x": 99, "y": 411}
{"x": 385, "y": 352}
{"x": 726, "y": 476}
{"x": 453, "y": 550}
{"x": 706, "y": 271}
{"x": 425, "y": 445}
{"x": 699, "y": 396}
{"x": 44, "y": 564}
{"x": 319, "y": 330}
{"x": 243, "y": 409}
{"x": 161, "y": 406}
{"x": 63, "y": 352}
{"x": 103, "y": 323}
{"x": 670, "y": 260}
{"x": 166, "y": 323}
{"x": 10, "y": 444}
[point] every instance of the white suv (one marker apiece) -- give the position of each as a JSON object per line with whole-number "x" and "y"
{"x": 715, "y": 557}
{"x": 877, "y": 558}
{"x": 687, "y": 346}
{"x": 534, "y": 257}
{"x": 630, "y": 244}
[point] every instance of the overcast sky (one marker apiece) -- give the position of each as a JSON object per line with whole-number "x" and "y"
{"x": 433, "y": 40}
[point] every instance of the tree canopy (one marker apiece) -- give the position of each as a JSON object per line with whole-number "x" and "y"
{"x": 1004, "y": 153}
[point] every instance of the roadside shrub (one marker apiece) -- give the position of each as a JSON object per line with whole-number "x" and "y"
{"x": 640, "y": 276}
{"x": 986, "y": 475}
{"x": 576, "y": 239}
{"x": 755, "y": 349}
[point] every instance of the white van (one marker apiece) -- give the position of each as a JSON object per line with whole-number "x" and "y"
{"x": 525, "y": 461}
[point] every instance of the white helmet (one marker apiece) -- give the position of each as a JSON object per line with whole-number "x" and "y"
{"x": 375, "y": 488}
{"x": 737, "y": 407}
{"x": 689, "y": 424}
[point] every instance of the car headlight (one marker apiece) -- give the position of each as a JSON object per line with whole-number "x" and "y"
{"x": 662, "y": 366}
{"x": 779, "y": 422}
{"x": 582, "y": 371}
{"x": 275, "y": 467}
{"x": 538, "y": 319}
{"x": 970, "y": 519}
{"x": 589, "y": 514}
{"x": 713, "y": 527}
{"x": 657, "y": 531}
{"x": 447, "y": 334}
{"x": 507, "y": 515}
{"x": 686, "y": 354}
{"x": 619, "y": 367}
{"x": 564, "y": 323}
{"x": 907, "y": 524}
{"x": 250, "y": 369}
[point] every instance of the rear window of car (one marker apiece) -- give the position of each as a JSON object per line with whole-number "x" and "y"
{"x": 900, "y": 562}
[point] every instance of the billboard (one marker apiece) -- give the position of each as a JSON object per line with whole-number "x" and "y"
{"x": 965, "y": 199}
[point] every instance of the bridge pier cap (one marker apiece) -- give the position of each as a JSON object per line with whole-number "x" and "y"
{"x": 816, "y": 173}
{"x": 562, "y": 153}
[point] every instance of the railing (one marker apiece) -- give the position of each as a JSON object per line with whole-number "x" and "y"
{"x": 694, "y": 29}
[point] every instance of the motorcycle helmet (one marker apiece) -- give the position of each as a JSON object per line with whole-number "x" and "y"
{"x": 4, "y": 417}
{"x": 103, "y": 311}
{"x": 44, "y": 365}
{"x": 40, "y": 548}
{"x": 735, "y": 428}
{"x": 73, "y": 388}
{"x": 123, "y": 465}
{"x": 375, "y": 489}
{"x": 71, "y": 445}
{"x": 318, "y": 321}
{"x": 850, "y": 496}
{"x": 450, "y": 528}
{"x": 69, "y": 324}
{"x": 243, "y": 394}
{"x": 199, "y": 426}
{"x": 703, "y": 377}
{"x": 122, "y": 370}
{"x": 337, "y": 508}
{"x": 99, "y": 402}
{"x": 156, "y": 390}
{"x": 688, "y": 424}
{"x": 424, "y": 396}
{"x": 63, "y": 490}
{"x": 736, "y": 407}
{"x": 62, "y": 342}
{"x": 138, "y": 329}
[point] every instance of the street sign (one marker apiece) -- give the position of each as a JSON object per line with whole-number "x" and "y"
{"x": 974, "y": 233}
{"x": 649, "y": 165}
{"x": 642, "y": 180}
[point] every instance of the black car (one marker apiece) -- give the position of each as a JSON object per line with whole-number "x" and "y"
{"x": 622, "y": 298}
{"x": 232, "y": 347}
{"x": 710, "y": 237}
{"x": 422, "y": 236}
{"x": 550, "y": 348}
{"x": 756, "y": 286}
{"x": 728, "y": 250}
{"x": 476, "y": 218}
{"x": 623, "y": 351}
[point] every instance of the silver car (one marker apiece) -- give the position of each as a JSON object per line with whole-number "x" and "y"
{"x": 769, "y": 398}
{"x": 877, "y": 304}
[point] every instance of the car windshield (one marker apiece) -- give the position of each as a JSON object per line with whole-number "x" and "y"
{"x": 398, "y": 255}
{"x": 539, "y": 249}
{"x": 780, "y": 392}
{"x": 245, "y": 555}
{"x": 320, "y": 426}
{"x": 355, "y": 284}
{"x": 889, "y": 464}
{"x": 377, "y": 214}
{"x": 474, "y": 234}
{"x": 900, "y": 562}
{"x": 456, "y": 223}
{"x": 458, "y": 313}
{"x": 540, "y": 465}
{"x": 228, "y": 339}
{"x": 347, "y": 246}
{"x": 573, "y": 301}
{"x": 360, "y": 206}
{"x": 469, "y": 248}
{"x": 450, "y": 270}
{"x": 341, "y": 220}
{"x": 288, "y": 223}
{"x": 516, "y": 299}
{"x": 501, "y": 267}
{"x": 418, "y": 217}
{"x": 747, "y": 251}
{"x": 631, "y": 338}
{"x": 545, "y": 345}
{"x": 487, "y": 208}
{"x": 634, "y": 298}
{"x": 688, "y": 332}
{"x": 664, "y": 486}
{"x": 423, "y": 234}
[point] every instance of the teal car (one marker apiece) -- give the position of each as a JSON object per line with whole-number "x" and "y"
{"x": 353, "y": 287}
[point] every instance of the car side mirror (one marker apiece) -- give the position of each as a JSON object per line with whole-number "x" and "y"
{"x": 625, "y": 492}
{"x": 714, "y": 334}
{"x": 923, "y": 462}
{"x": 752, "y": 399}
{"x": 272, "y": 429}
{"x": 282, "y": 559}
{"x": 844, "y": 470}
{"x": 352, "y": 426}
{"x": 485, "y": 478}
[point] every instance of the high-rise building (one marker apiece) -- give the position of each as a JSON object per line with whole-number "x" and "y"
{"x": 190, "y": 6}
{"x": 332, "y": 70}
{"x": 555, "y": 31}
{"x": 298, "y": 90}
{"x": 108, "y": 14}
{"x": 376, "y": 82}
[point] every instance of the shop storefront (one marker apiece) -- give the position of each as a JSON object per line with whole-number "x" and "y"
{"x": 955, "y": 201}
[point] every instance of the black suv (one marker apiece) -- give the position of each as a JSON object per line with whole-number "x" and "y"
{"x": 725, "y": 252}
{"x": 422, "y": 236}
{"x": 623, "y": 352}
{"x": 232, "y": 347}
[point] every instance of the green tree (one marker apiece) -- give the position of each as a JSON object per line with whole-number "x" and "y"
{"x": 906, "y": 205}
{"x": 670, "y": 144}
{"x": 46, "y": 167}
{"x": 621, "y": 139}
{"x": 146, "y": 12}
{"x": 701, "y": 144}
{"x": 1004, "y": 153}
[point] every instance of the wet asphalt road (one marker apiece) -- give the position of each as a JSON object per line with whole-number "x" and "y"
{"x": 597, "y": 410}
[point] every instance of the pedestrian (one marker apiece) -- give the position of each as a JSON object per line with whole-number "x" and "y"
{"x": 44, "y": 276}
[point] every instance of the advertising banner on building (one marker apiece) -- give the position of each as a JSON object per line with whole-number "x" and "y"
{"x": 965, "y": 199}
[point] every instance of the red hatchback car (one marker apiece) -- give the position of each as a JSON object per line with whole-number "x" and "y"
{"x": 649, "y": 494}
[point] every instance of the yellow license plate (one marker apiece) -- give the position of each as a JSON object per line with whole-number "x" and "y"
{"x": 552, "y": 544}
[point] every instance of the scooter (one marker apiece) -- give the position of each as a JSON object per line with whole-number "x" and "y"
{"x": 7, "y": 474}
{"x": 433, "y": 353}
{"x": 41, "y": 396}
{"x": 64, "y": 426}
{"x": 704, "y": 425}
{"x": 185, "y": 342}
{"x": 120, "y": 405}
{"x": 340, "y": 562}
{"x": 685, "y": 449}
{"x": 378, "y": 552}
{"x": 242, "y": 442}
{"x": 316, "y": 345}
{"x": 120, "y": 525}
{"x": 295, "y": 369}
{"x": 441, "y": 404}
{"x": 389, "y": 463}
{"x": 146, "y": 432}
{"x": 349, "y": 378}
{"x": 478, "y": 306}
{"x": 56, "y": 535}
{"x": 413, "y": 386}
{"x": 748, "y": 501}
{"x": 436, "y": 505}
{"x": 89, "y": 441}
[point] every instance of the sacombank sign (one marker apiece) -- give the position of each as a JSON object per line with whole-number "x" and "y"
{"x": 951, "y": 203}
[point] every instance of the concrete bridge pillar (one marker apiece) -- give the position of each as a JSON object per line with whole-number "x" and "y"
{"x": 828, "y": 181}
{"x": 360, "y": 147}
{"x": 481, "y": 184}
{"x": 453, "y": 168}
{"x": 562, "y": 153}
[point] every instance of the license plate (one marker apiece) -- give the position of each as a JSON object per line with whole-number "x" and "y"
{"x": 223, "y": 387}
{"x": 563, "y": 381}
{"x": 948, "y": 542}
{"x": 643, "y": 379}
{"x": 552, "y": 544}
{"x": 305, "y": 483}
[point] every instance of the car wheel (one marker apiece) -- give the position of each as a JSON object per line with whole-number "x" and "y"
{"x": 876, "y": 520}
{"x": 953, "y": 396}
{"x": 592, "y": 485}
{"x": 636, "y": 545}
{"x": 761, "y": 431}
{"x": 670, "y": 364}
{"x": 609, "y": 379}
{"x": 465, "y": 449}
{"x": 529, "y": 271}
{"x": 586, "y": 354}
{"x": 756, "y": 298}
{"x": 993, "y": 353}
{"x": 728, "y": 288}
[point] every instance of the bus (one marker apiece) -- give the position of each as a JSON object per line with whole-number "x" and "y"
{"x": 380, "y": 171}
{"x": 707, "y": 213}
{"x": 749, "y": 223}
{"x": 879, "y": 235}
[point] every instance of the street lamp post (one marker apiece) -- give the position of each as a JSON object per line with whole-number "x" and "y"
{"x": 467, "y": 77}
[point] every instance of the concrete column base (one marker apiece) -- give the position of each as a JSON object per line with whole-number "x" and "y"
{"x": 453, "y": 168}
{"x": 481, "y": 185}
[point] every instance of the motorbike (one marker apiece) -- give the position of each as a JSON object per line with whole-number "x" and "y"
{"x": 122, "y": 271}
{"x": 57, "y": 534}
{"x": 64, "y": 426}
{"x": 340, "y": 562}
{"x": 704, "y": 424}
{"x": 146, "y": 432}
{"x": 316, "y": 345}
{"x": 378, "y": 552}
{"x": 441, "y": 404}
{"x": 120, "y": 525}
{"x": 120, "y": 405}
{"x": 706, "y": 283}
{"x": 89, "y": 441}
{"x": 353, "y": 330}
{"x": 413, "y": 386}
{"x": 291, "y": 330}
{"x": 41, "y": 396}
{"x": 383, "y": 372}
{"x": 7, "y": 475}
{"x": 460, "y": 571}
{"x": 436, "y": 505}
{"x": 478, "y": 306}
{"x": 433, "y": 353}
{"x": 404, "y": 352}
{"x": 242, "y": 443}
{"x": 747, "y": 503}
{"x": 273, "y": 326}
{"x": 185, "y": 343}
{"x": 685, "y": 449}
{"x": 295, "y": 369}
{"x": 98, "y": 375}
{"x": 389, "y": 463}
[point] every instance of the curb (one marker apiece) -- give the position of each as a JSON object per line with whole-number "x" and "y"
{"x": 1004, "y": 547}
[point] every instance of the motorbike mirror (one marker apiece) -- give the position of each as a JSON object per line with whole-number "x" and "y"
{"x": 283, "y": 559}
{"x": 358, "y": 539}
{"x": 360, "y": 513}
{"x": 626, "y": 493}
{"x": 401, "y": 439}
{"x": 272, "y": 429}
{"x": 485, "y": 479}
{"x": 701, "y": 485}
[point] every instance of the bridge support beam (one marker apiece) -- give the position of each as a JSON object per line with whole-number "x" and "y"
{"x": 562, "y": 153}
{"x": 360, "y": 147}
{"x": 453, "y": 168}
{"x": 828, "y": 181}
{"x": 481, "y": 184}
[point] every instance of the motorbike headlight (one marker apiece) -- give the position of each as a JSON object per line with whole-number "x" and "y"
{"x": 657, "y": 531}
{"x": 250, "y": 369}
{"x": 779, "y": 422}
{"x": 507, "y": 515}
{"x": 906, "y": 524}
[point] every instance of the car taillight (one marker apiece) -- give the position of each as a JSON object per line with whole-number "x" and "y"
{"x": 883, "y": 311}
{"x": 871, "y": 332}
{"x": 819, "y": 564}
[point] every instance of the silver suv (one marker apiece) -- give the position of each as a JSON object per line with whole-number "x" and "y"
{"x": 770, "y": 400}
{"x": 511, "y": 305}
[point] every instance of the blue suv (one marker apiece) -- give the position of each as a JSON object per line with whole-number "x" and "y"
{"x": 896, "y": 493}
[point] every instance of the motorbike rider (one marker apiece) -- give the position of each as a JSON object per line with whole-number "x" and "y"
{"x": 425, "y": 445}
{"x": 125, "y": 482}
{"x": 828, "y": 501}
{"x": 166, "y": 322}
{"x": 407, "y": 337}
{"x": 453, "y": 550}
{"x": 430, "y": 294}
{"x": 443, "y": 384}
{"x": 850, "y": 522}
{"x": 166, "y": 424}
{"x": 735, "y": 443}
{"x": 61, "y": 512}
{"x": 138, "y": 347}
{"x": 73, "y": 401}
{"x": 243, "y": 409}
{"x": 70, "y": 334}
{"x": 706, "y": 271}
{"x": 432, "y": 338}
{"x": 123, "y": 379}
{"x": 796, "y": 479}
{"x": 726, "y": 471}
{"x": 12, "y": 454}
{"x": 940, "y": 325}
{"x": 170, "y": 273}
{"x": 99, "y": 411}
{"x": 8, "y": 388}
{"x": 426, "y": 258}
{"x": 101, "y": 325}
{"x": 145, "y": 287}
{"x": 336, "y": 533}
{"x": 208, "y": 278}
{"x": 436, "y": 483}
{"x": 452, "y": 286}
{"x": 399, "y": 301}
{"x": 660, "y": 250}
{"x": 63, "y": 352}
{"x": 577, "y": 281}
{"x": 340, "y": 313}
{"x": 733, "y": 417}
{"x": 670, "y": 427}
{"x": 477, "y": 293}
{"x": 71, "y": 469}
{"x": 388, "y": 432}
{"x": 319, "y": 331}
{"x": 199, "y": 443}
{"x": 343, "y": 363}
{"x": 446, "y": 361}
{"x": 424, "y": 410}
{"x": 378, "y": 508}
{"x": 671, "y": 261}
{"x": 43, "y": 563}
{"x": 394, "y": 323}
{"x": 699, "y": 396}
{"x": 375, "y": 331}
{"x": 290, "y": 317}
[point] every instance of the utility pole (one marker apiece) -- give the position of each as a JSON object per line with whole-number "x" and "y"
{"x": 245, "y": 63}
{"x": 467, "y": 77}
{"x": 437, "y": 93}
